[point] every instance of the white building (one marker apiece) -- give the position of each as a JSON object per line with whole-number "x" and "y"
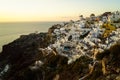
{"x": 115, "y": 16}
{"x": 104, "y": 19}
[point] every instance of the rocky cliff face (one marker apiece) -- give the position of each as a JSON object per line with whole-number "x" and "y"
{"x": 21, "y": 53}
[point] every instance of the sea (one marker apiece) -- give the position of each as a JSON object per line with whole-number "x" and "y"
{"x": 10, "y": 31}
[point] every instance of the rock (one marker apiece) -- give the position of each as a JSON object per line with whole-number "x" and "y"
{"x": 22, "y": 52}
{"x": 118, "y": 77}
{"x": 113, "y": 76}
{"x": 56, "y": 77}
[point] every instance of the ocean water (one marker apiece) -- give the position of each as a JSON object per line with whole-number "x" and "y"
{"x": 12, "y": 31}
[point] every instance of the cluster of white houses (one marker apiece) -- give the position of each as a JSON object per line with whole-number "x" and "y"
{"x": 74, "y": 39}
{"x": 105, "y": 17}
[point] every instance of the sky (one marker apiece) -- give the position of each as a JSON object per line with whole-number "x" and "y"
{"x": 53, "y": 10}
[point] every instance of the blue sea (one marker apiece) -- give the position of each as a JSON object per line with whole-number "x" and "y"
{"x": 12, "y": 30}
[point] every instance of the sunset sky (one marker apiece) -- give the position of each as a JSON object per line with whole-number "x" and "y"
{"x": 53, "y": 10}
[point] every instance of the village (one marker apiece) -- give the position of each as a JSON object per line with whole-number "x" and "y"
{"x": 86, "y": 37}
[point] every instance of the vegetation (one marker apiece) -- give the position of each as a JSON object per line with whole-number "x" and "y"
{"x": 108, "y": 29}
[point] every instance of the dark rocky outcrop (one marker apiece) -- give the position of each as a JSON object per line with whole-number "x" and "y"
{"x": 23, "y": 52}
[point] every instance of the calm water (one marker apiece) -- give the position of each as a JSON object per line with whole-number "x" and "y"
{"x": 12, "y": 31}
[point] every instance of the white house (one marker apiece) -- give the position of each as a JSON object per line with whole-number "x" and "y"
{"x": 57, "y": 31}
{"x": 115, "y": 16}
{"x": 92, "y": 17}
{"x": 81, "y": 17}
{"x": 104, "y": 19}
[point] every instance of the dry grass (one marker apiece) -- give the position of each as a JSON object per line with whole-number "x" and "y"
{"x": 108, "y": 29}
